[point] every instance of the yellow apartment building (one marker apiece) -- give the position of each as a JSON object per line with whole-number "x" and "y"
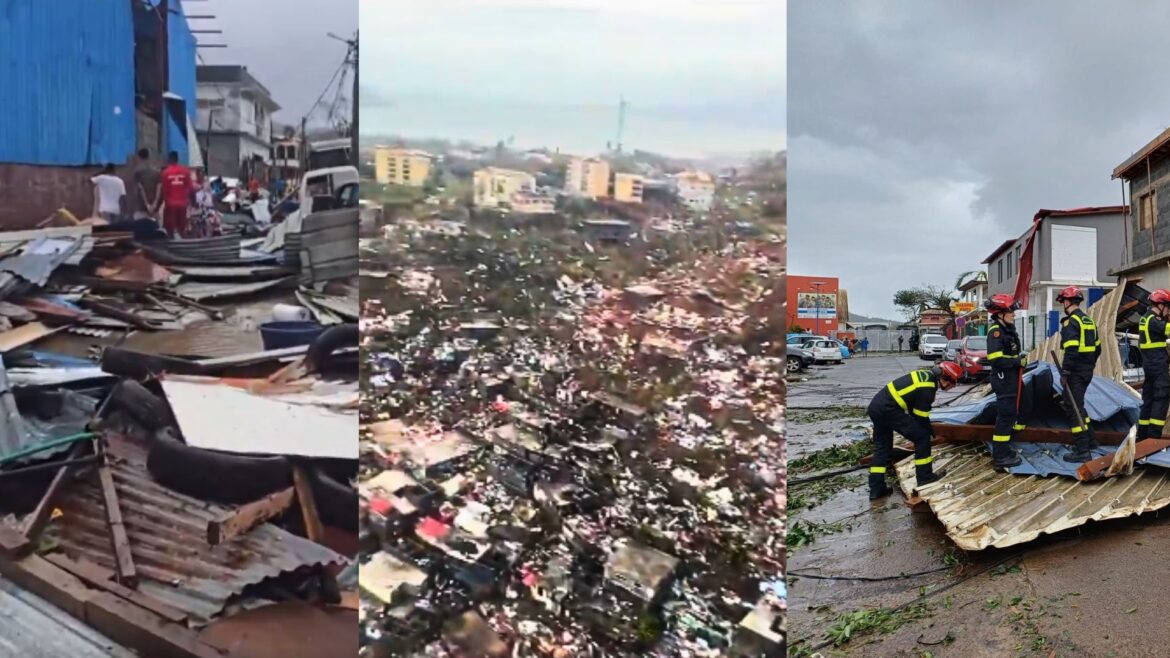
{"x": 494, "y": 185}
{"x": 588, "y": 177}
{"x": 399, "y": 166}
{"x": 627, "y": 188}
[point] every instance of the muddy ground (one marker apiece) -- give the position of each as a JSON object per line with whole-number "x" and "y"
{"x": 1097, "y": 591}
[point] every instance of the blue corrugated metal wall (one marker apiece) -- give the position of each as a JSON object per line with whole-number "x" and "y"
{"x": 68, "y": 82}
{"x": 181, "y": 74}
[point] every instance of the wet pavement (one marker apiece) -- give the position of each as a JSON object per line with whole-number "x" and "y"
{"x": 1093, "y": 591}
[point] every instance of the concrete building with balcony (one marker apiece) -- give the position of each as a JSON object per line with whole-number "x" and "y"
{"x": 400, "y": 166}
{"x": 1082, "y": 247}
{"x": 627, "y": 188}
{"x": 234, "y": 119}
{"x": 587, "y": 177}
{"x": 695, "y": 189}
{"x": 533, "y": 203}
{"x": 493, "y": 186}
{"x": 1145, "y": 177}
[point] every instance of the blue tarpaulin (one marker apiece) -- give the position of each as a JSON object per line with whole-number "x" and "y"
{"x": 68, "y": 82}
{"x": 181, "y": 79}
{"x": 1110, "y": 405}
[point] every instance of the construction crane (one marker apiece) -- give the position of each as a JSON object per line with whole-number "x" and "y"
{"x": 622, "y": 105}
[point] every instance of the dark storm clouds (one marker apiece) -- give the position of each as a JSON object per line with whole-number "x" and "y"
{"x": 921, "y": 135}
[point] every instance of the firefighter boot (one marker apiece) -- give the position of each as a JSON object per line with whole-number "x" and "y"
{"x": 925, "y": 474}
{"x": 1080, "y": 451}
{"x": 1004, "y": 455}
{"x": 878, "y": 487}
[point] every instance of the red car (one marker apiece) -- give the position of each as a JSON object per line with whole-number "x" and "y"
{"x": 972, "y": 357}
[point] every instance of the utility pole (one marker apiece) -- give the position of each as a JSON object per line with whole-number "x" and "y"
{"x": 622, "y": 104}
{"x": 354, "y": 109}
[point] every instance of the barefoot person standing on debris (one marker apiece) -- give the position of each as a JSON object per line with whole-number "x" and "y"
{"x": 1007, "y": 367}
{"x": 1082, "y": 347}
{"x": 903, "y": 406}
{"x": 1153, "y": 331}
{"x": 177, "y": 187}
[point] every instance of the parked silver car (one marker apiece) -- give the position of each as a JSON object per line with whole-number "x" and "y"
{"x": 951, "y": 351}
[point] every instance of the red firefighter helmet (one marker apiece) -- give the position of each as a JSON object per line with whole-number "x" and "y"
{"x": 1160, "y": 296}
{"x": 1001, "y": 303}
{"x": 948, "y": 370}
{"x": 1072, "y": 294}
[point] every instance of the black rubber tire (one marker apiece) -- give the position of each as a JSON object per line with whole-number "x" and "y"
{"x": 337, "y": 502}
{"x": 318, "y": 357}
{"x": 141, "y": 404}
{"x": 215, "y": 476}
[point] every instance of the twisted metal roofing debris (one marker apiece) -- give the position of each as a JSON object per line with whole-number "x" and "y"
{"x": 168, "y": 540}
{"x": 981, "y": 508}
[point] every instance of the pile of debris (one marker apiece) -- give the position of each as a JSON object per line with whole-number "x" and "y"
{"x": 173, "y": 462}
{"x": 568, "y": 463}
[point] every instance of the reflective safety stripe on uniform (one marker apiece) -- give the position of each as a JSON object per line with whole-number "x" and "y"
{"x": 1159, "y": 423}
{"x": 1077, "y": 430}
{"x": 1017, "y": 427}
{"x": 877, "y": 469}
{"x": 924, "y": 461}
{"x": 919, "y": 379}
{"x": 994, "y": 355}
{"x": 1148, "y": 343}
{"x": 1083, "y": 344}
{"x": 924, "y": 414}
{"x": 1143, "y": 421}
{"x": 1001, "y": 437}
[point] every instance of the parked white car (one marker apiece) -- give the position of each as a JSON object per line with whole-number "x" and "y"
{"x": 825, "y": 351}
{"x": 932, "y": 346}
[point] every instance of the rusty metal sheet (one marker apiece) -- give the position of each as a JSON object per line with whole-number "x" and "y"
{"x": 84, "y": 234}
{"x": 167, "y": 532}
{"x": 981, "y": 508}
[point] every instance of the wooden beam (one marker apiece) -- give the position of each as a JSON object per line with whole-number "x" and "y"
{"x": 127, "y": 574}
{"x": 304, "y": 487}
{"x": 1094, "y": 469}
{"x": 246, "y": 517}
{"x": 945, "y": 433}
{"x": 102, "y": 578}
{"x": 36, "y": 522}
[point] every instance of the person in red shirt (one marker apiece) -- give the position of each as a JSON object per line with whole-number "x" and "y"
{"x": 176, "y": 189}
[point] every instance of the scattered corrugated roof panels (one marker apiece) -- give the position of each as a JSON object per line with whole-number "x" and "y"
{"x": 982, "y": 508}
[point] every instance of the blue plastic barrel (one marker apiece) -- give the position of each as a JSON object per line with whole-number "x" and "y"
{"x": 278, "y": 335}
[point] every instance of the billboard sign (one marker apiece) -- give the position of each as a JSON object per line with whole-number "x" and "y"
{"x": 811, "y": 305}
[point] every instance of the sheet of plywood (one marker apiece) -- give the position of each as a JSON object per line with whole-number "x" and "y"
{"x": 214, "y": 416}
{"x": 23, "y": 335}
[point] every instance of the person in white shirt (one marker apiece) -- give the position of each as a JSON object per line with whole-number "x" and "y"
{"x": 108, "y": 192}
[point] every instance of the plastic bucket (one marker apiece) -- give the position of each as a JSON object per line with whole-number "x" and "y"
{"x": 278, "y": 335}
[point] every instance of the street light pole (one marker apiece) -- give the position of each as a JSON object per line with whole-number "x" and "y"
{"x": 817, "y": 323}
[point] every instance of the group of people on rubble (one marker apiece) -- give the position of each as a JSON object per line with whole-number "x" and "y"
{"x": 904, "y": 404}
{"x": 181, "y": 200}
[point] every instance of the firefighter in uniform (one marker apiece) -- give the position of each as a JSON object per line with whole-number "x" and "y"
{"x": 1152, "y": 332}
{"x": 1003, "y": 353}
{"x": 1082, "y": 347}
{"x": 903, "y": 406}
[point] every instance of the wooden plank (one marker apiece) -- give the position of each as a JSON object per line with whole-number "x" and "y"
{"x": 1092, "y": 470}
{"x": 112, "y": 311}
{"x": 36, "y": 522}
{"x": 142, "y": 630}
{"x": 962, "y": 433}
{"x": 246, "y": 517}
{"x": 101, "y": 577}
{"x": 127, "y": 574}
{"x": 304, "y": 487}
{"x": 23, "y": 335}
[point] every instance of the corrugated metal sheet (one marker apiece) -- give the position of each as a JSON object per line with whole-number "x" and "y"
{"x": 14, "y": 434}
{"x": 200, "y": 339}
{"x": 982, "y": 508}
{"x": 202, "y": 291}
{"x": 31, "y": 627}
{"x": 68, "y": 81}
{"x": 212, "y": 250}
{"x": 11, "y": 239}
{"x": 168, "y": 539}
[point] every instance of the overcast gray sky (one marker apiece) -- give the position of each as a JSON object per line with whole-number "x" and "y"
{"x": 282, "y": 42}
{"x": 700, "y": 77}
{"x": 923, "y": 134}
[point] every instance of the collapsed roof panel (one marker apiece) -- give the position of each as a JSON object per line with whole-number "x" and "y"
{"x": 982, "y": 508}
{"x": 168, "y": 539}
